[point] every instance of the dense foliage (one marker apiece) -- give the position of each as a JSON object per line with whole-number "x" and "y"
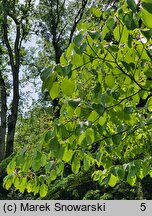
{"x": 104, "y": 91}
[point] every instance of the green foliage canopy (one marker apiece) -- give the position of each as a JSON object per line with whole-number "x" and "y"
{"x": 101, "y": 80}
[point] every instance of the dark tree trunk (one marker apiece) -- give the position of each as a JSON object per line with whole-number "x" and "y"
{"x": 12, "y": 119}
{"x": 14, "y": 56}
{"x": 8, "y": 121}
{"x": 3, "y": 113}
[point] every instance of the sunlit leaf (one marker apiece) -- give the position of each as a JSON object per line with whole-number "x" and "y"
{"x": 149, "y": 104}
{"x": 110, "y": 81}
{"x": 68, "y": 87}
{"x": 113, "y": 180}
{"x": 146, "y": 17}
{"x": 43, "y": 190}
{"x": 86, "y": 162}
{"x": 147, "y": 5}
{"x": 75, "y": 164}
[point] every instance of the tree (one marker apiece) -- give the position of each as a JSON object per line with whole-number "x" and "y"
{"x": 58, "y": 24}
{"x": 31, "y": 126}
{"x": 14, "y": 18}
{"x": 56, "y": 28}
{"x": 102, "y": 77}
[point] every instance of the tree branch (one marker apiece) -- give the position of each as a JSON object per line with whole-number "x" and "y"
{"x": 5, "y": 36}
{"x": 77, "y": 19}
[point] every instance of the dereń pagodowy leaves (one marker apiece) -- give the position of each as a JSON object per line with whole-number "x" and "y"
{"x": 103, "y": 85}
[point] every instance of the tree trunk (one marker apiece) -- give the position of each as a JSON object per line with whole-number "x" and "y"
{"x": 3, "y": 113}
{"x": 12, "y": 118}
{"x": 14, "y": 56}
{"x": 10, "y": 13}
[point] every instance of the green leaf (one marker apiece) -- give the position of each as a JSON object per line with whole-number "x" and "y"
{"x": 113, "y": 180}
{"x": 98, "y": 12}
{"x": 75, "y": 164}
{"x": 54, "y": 92}
{"x": 105, "y": 31}
{"x": 64, "y": 70}
{"x": 48, "y": 136}
{"x": 110, "y": 81}
{"x": 54, "y": 146}
{"x": 19, "y": 160}
{"x": 11, "y": 167}
{"x": 117, "y": 139}
{"x": 140, "y": 173}
{"x": 27, "y": 164}
{"x": 126, "y": 65}
{"x": 147, "y": 33}
{"x": 132, "y": 5}
{"x": 36, "y": 189}
{"x": 45, "y": 74}
{"x": 150, "y": 173}
{"x": 82, "y": 137}
{"x": 103, "y": 119}
{"x": 136, "y": 98}
{"x": 30, "y": 185}
{"x": 131, "y": 177}
{"x": 23, "y": 183}
{"x": 36, "y": 165}
{"x": 8, "y": 181}
{"x": 129, "y": 21}
{"x": 86, "y": 162}
{"x": 146, "y": 17}
{"x": 78, "y": 39}
{"x": 94, "y": 34}
{"x": 110, "y": 23}
{"x": 98, "y": 108}
{"x": 147, "y": 5}
{"x": 53, "y": 176}
{"x": 61, "y": 131}
{"x": 90, "y": 136}
{"x": 43, "y": 159}
{"x": 74, "y": 103}
{"x": 48, "y": 167}
{"x": 63, "y": 59}
{"x": 76, "y": 60}
{"x": 114, "y": 48}
{"x": 149, "y": 104}
{"x": 148, "y": 73}
{"x": 49, "y": 81}
{"x": 98, "y": 175}
{"x": 121, "y": 33}
{"x": 43, "y": 190}
{"x": 93, "y": 116}
{"x": 17, "y": 183}
{"x": 67, "y": 155}
{"x": 68, "y": 86}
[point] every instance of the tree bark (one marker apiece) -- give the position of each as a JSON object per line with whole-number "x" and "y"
{"x": 14, "y": 56}
{"x": 3, "y": 113}
{"x": 12, "y": 118}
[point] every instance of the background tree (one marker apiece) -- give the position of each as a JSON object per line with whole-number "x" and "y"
{"x": 14, "y": 19}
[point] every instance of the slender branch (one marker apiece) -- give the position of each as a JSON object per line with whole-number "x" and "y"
{"x": 112, "y": 106}
{"x": 77, "y": 19}
{"x": 58, "y": 14}
{"x": 16, "y": 47}
{"x": 62, "y": 30}
{"x": 5, "y": 35}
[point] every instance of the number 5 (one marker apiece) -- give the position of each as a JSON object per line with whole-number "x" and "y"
{"x": 143, "y": 207}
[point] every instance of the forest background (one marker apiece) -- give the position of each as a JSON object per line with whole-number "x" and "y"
{"x": 88, "y": 135}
